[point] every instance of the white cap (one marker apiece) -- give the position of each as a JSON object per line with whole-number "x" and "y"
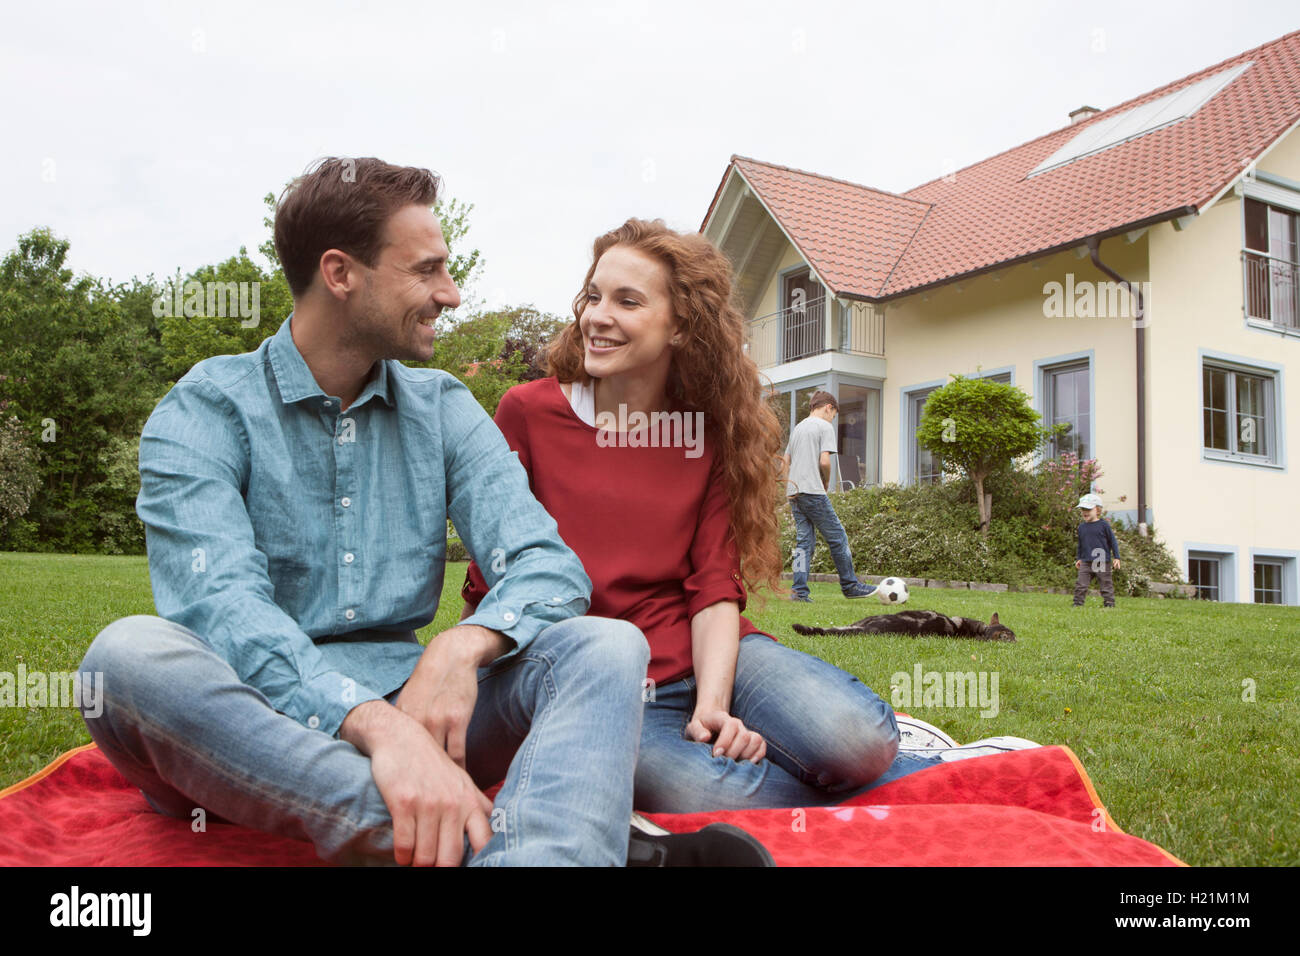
{"x": 1090, "y": 501}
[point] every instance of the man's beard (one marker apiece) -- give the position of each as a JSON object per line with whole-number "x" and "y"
{"x": 375, "y": 331}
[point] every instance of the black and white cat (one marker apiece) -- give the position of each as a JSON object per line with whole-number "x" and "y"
{"x": 919, "y": 624}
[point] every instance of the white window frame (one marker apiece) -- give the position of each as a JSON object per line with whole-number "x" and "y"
{"x": 1289, "y": 562}
{"x": 1226, "y": 557}
{"x": 1274, "y": 409}
{"x": 1043, "y": 369}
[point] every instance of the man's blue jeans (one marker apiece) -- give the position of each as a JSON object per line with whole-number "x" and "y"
{"x": 828, "y": 737}
{"x": 560, "y": 721}
{"x": 813, "y": 513}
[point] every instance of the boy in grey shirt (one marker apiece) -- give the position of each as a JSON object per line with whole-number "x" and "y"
{"x": 808, "y": 467}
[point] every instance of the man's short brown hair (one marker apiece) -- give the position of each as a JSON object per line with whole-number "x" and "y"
{"x": 823, "y": 398}
{"x": 342, "y": 204}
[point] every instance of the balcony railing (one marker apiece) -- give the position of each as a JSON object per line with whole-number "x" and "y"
{"x": 796, "y": 333}
{"x": 1272, "y": 290}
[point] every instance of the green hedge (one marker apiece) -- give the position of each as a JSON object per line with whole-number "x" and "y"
{"x": 932, "y": 531}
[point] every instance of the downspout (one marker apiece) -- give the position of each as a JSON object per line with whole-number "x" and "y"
{"x": 1094, "y": 248}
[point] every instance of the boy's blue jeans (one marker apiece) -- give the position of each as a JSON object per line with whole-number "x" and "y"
{"x": 813, "y": 513}
{"x": 828, "y": 737}
{"x": 560, "y": 721}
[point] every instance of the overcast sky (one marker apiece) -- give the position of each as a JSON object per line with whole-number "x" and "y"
{"x": 147, "y": 134}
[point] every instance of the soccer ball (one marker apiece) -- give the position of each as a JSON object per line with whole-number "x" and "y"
{"x": 892, "y": 591}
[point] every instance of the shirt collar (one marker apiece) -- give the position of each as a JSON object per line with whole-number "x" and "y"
{"x": 296, "y": 382}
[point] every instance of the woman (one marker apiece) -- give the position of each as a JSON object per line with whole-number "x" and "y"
{"x": 672, "y": 520}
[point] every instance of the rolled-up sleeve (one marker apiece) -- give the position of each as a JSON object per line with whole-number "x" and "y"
{"x": 529, "y": 577}
{"x": 207, "y": 572}
{"x": 715, "y": 559}
{"x": 510, "y": 421}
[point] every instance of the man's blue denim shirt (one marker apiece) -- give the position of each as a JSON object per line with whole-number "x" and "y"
{"x": 307, "y": 544}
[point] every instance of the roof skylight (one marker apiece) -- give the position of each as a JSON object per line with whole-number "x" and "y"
{"x": 1140, "y": 120}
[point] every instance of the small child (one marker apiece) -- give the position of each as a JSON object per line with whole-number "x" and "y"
{"x": 1096, "y": 545}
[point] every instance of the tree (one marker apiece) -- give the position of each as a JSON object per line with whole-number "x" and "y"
{"x": 464, "y": 267}
{"x": 979, "y": 426}
{"x": 224, "y": 309}
{"x": 527, "y": 334}
{"x": 78, "y": 367}
{"x": 19, "y": 477}
{"x": 474, "y": 350}
{"x": 492, "y": 351}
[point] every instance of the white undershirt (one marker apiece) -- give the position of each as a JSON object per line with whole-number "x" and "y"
{"x": 583, "y": 402}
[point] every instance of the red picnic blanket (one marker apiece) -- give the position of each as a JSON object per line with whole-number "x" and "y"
{"x": 1024, "y": 808}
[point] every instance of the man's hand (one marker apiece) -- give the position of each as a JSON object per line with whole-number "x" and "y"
{"x": 1077, "y": 565}
{"x": 432, "y": 801}
{"x": 441, "y": 693}
{"x": 733, "y": 739}
{"x": 1116, "y": 563}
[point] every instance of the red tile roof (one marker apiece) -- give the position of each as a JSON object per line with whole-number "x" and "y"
{"x": 852, "y": 235}
{"x": 866, "y": 243}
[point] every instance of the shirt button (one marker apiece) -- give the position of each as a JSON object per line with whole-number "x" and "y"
{"x": 349, "y": 558}
{"x": 327, "y": 403}
{"x": 349, "y": 614}
{"x": 313, "y": 721}
{"x": 345, "y": 502}
{"x": 508, "y": 616}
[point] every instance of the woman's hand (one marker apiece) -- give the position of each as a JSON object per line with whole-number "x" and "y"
{"x": 733, "y": 739}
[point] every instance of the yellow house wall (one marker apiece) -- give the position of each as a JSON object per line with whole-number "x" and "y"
{"x": 1197, "y": 281}
{"x": 995, "y": 323}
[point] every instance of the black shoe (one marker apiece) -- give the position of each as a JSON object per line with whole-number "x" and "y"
{"x": 804, "y": 598}
{"x": 718, "y": 844}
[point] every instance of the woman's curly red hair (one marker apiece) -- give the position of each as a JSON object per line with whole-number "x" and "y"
{"x": 711, "y": 373}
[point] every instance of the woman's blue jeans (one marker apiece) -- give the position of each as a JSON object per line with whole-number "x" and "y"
{"x": 828, "y": 737}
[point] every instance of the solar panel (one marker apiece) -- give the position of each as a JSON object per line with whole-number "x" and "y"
{"x": 1147, "y": 118}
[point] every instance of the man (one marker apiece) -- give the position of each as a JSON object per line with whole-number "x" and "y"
{"x": 295, "y": 500}
{"x": 807, "y": 461}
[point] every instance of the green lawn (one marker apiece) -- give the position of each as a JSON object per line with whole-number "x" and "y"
{"x": 1150, "y": 695}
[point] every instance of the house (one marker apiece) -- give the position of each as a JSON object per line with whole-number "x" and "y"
{"x": 1134, "y": 272}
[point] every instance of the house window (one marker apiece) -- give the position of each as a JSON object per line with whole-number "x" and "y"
{"x": 859, "y": 436}
{"x": 1203, "y": 572}
{"x": 1272, "y": 259}
{"x": 1268, "y": 581}
{"x": 926, "y": 467}
{"x": 1239, "y": 413}
{"x": 1066, "y": 391}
